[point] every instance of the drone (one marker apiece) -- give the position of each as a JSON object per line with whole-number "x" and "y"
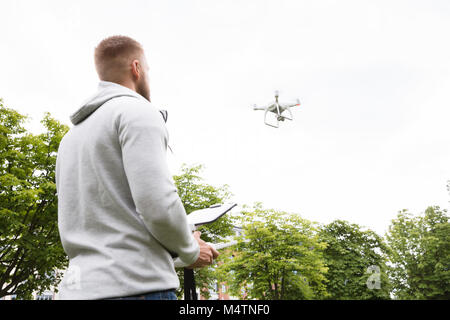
{"x": 277, "y": 108}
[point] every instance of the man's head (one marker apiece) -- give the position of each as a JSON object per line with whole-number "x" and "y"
{"x": 121, "y": 59}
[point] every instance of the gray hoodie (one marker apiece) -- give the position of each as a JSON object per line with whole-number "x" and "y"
{"x": 120, "y": 217}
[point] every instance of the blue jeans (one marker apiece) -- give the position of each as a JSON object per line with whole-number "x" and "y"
{"x": 157, "y": 295}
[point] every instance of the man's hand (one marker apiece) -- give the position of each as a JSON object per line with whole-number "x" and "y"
{"x": 207, "y": 253}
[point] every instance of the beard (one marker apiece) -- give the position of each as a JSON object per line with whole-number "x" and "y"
{"x": 143, "y": 88}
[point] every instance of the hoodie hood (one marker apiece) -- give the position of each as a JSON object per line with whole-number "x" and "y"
{"x": 106, "y": 91}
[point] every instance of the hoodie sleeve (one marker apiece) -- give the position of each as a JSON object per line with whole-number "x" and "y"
{"x": 143, "y": 138}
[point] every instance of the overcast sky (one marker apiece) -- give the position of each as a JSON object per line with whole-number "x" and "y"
{"x": 370, "y": 138}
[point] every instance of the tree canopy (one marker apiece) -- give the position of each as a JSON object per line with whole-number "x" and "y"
{"x": 30, "y": 248}
{"x": 420, "y": 254}
{"x": 278, "y": 256}
{"x": 356, "y": 261}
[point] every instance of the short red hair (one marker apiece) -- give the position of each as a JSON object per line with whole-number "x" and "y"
{"x": 113, "y": 56}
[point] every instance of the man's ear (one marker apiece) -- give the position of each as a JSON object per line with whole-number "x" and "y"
{"x": 136, "y": 69}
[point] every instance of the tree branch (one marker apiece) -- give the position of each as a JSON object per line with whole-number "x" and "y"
{"x": 11, "y": 266}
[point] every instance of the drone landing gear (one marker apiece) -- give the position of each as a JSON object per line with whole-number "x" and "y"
{"x": 279, "y": 118}
{"x": 268, "y": 123}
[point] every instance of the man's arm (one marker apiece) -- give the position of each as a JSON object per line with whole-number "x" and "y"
{"x": 143, "y": 138}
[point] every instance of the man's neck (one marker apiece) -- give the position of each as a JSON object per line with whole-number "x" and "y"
{"x": 127, "y": 83}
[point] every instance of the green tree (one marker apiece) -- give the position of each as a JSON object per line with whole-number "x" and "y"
{"x": 353, "y": 256}
{"x": 196, "y": 195}
{"x": 278, "y": 256}
{"x": 420, "y": 254}
{"x": 30, "y": 248}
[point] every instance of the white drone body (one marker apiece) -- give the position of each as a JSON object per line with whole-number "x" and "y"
{"x": 277, "y": 108}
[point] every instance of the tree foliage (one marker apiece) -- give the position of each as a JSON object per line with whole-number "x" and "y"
{"x": 352, "y": 257}
{"x": 420, "y": 254}
{"x": 278, "y": 256}
{"x": 30, "y": 248}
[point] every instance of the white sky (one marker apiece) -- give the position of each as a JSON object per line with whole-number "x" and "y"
{"x": 370, "y": 138}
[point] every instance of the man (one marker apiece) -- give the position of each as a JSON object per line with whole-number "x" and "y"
{"x": 120, "y": 219}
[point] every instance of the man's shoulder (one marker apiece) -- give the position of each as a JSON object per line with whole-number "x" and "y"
{"x": 131, "y": 109}
{"x": 129, "y": 105}
{"x": 128, "y": 101}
